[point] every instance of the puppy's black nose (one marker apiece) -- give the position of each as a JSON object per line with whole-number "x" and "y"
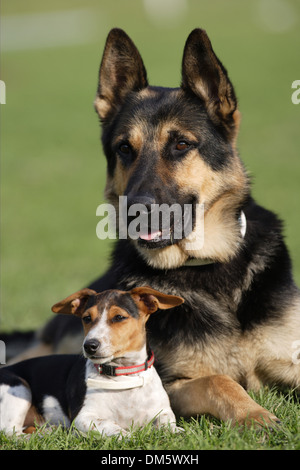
{"x": 91, "y": 346}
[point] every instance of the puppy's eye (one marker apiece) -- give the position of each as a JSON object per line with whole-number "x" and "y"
{"x": 118, "y": 318}
{"x": 87, "y": 319}
{"x": 182, "y": 145}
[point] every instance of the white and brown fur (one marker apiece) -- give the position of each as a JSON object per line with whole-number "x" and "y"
{"x": 240, "y": 320}
{"x": 61, "y": 389}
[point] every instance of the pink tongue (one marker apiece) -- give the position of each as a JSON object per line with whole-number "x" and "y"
{"x": 150, "y": 236}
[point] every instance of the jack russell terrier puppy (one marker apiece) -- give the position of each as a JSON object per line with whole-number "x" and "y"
{"x": 112, "y": 387}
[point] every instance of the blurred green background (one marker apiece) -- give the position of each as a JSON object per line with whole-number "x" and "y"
{"x": 52, "y": 166}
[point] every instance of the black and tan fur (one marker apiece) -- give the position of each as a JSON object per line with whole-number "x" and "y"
{"x": 241, "y": 315}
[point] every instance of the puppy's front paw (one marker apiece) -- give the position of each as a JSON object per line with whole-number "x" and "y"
{"x": 178, "y": 429}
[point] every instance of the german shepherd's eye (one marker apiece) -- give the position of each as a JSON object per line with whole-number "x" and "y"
{"x": 87, "y": 319}
{"x": 125, "y": 149}
{"x": 178, "y": 147}
{"x": 125, "y": 152}
{"x": 182, "y": 145}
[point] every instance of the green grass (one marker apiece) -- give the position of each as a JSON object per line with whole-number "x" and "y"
{"x": 53, "y": 169}
{"x": 205, "y": 433}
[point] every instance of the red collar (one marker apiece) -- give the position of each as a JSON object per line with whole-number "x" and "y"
{"x": 106, "y": 369}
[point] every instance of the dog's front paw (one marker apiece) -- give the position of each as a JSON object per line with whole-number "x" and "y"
{"x": 123, "y": 434}
{"x": 170, "y": 425}
{"x": 261, "y": 418}
{"x": 177, "y": 429}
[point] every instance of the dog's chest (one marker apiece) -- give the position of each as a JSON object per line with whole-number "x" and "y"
{"x": 136, "y": 406}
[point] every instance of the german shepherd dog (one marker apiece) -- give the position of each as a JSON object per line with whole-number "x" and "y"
{"x": 240, "y": 321}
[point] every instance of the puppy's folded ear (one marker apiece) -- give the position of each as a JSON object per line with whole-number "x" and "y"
{"x": 74, "y": 304}
{"x": 121, "y": 71}
{"x": 153, "y": 300}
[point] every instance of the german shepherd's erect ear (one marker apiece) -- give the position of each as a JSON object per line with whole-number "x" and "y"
{"x": 206, "y": 77}
{"x": 121, "y": 71}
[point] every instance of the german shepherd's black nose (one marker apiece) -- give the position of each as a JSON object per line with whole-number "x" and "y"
{"x": 145, "y": 201}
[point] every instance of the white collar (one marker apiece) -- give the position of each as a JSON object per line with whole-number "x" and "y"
{"x": 204, "y": 261}
{"x": 123, "y": 382}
